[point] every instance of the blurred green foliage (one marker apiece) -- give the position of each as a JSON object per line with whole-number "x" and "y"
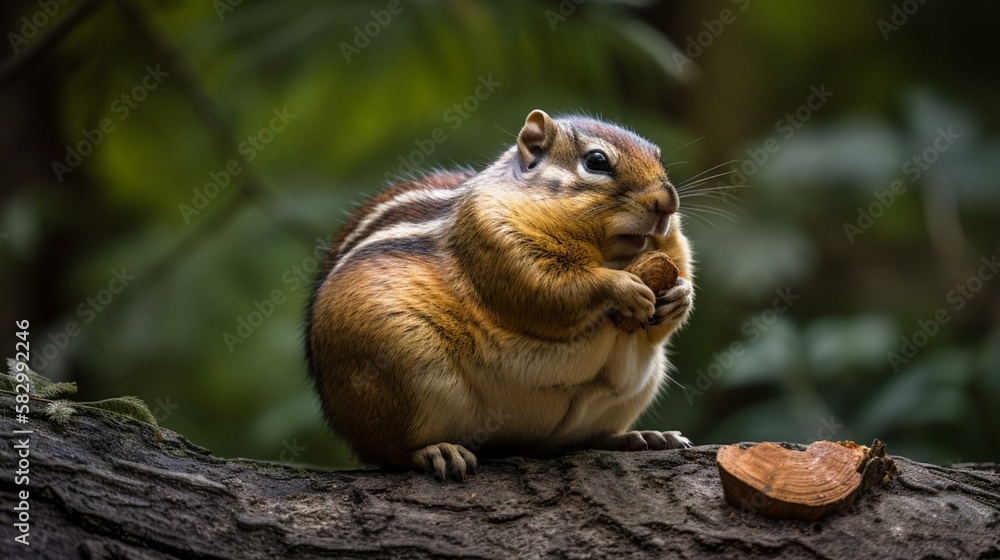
{"x": 797, "y": 318}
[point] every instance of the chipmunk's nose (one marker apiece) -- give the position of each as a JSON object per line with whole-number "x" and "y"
{"x": 667, "y": 201}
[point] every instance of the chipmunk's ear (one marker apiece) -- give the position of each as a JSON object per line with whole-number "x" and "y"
{"x": 535, "y": 139}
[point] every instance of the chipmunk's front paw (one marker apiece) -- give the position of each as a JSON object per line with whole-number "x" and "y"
{"x": 674, "y": 304}
{"x": 646, "y": 440}
{"x": 632, "y": 298}
{"x": 444, "y": 460}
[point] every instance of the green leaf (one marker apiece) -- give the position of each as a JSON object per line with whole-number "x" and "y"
{"x": 129, "y": 407}
{"x": 39, "y": 385}
{"x": 60, "y": 411}
{"x": 52, "y": 389}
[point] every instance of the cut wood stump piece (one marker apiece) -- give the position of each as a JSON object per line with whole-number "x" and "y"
{"x": 783, "y": 483}
{"x": 657, "y": 272}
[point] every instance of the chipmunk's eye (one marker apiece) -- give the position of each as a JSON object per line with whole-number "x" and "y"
{"x": 597, "y": 161}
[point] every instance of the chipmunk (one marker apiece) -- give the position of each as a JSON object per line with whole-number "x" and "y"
{"x": 468, "y": 305}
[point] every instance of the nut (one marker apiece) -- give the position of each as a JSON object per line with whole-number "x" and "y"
{"x": 658, "y": 273}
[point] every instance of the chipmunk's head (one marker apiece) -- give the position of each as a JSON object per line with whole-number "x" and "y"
{"x": 612, "y": 178}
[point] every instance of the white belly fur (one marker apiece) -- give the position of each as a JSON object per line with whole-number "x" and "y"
{"x": 550, "y": 395}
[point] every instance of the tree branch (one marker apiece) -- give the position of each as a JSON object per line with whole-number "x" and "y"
{"x": 102, "y": 487}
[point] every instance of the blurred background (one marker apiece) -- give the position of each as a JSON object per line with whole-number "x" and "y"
{"x": 168, "y": 168}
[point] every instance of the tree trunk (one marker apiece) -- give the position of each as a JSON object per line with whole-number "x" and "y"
{"x": 100, "y": 487}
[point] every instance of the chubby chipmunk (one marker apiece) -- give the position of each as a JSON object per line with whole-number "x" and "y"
{"x": 468, "y": 311}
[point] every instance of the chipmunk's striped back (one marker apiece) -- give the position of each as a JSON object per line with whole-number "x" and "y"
{"x": 398, "y": 217}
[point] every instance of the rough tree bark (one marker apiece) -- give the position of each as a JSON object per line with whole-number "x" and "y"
{"x": 104, "y": 488}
